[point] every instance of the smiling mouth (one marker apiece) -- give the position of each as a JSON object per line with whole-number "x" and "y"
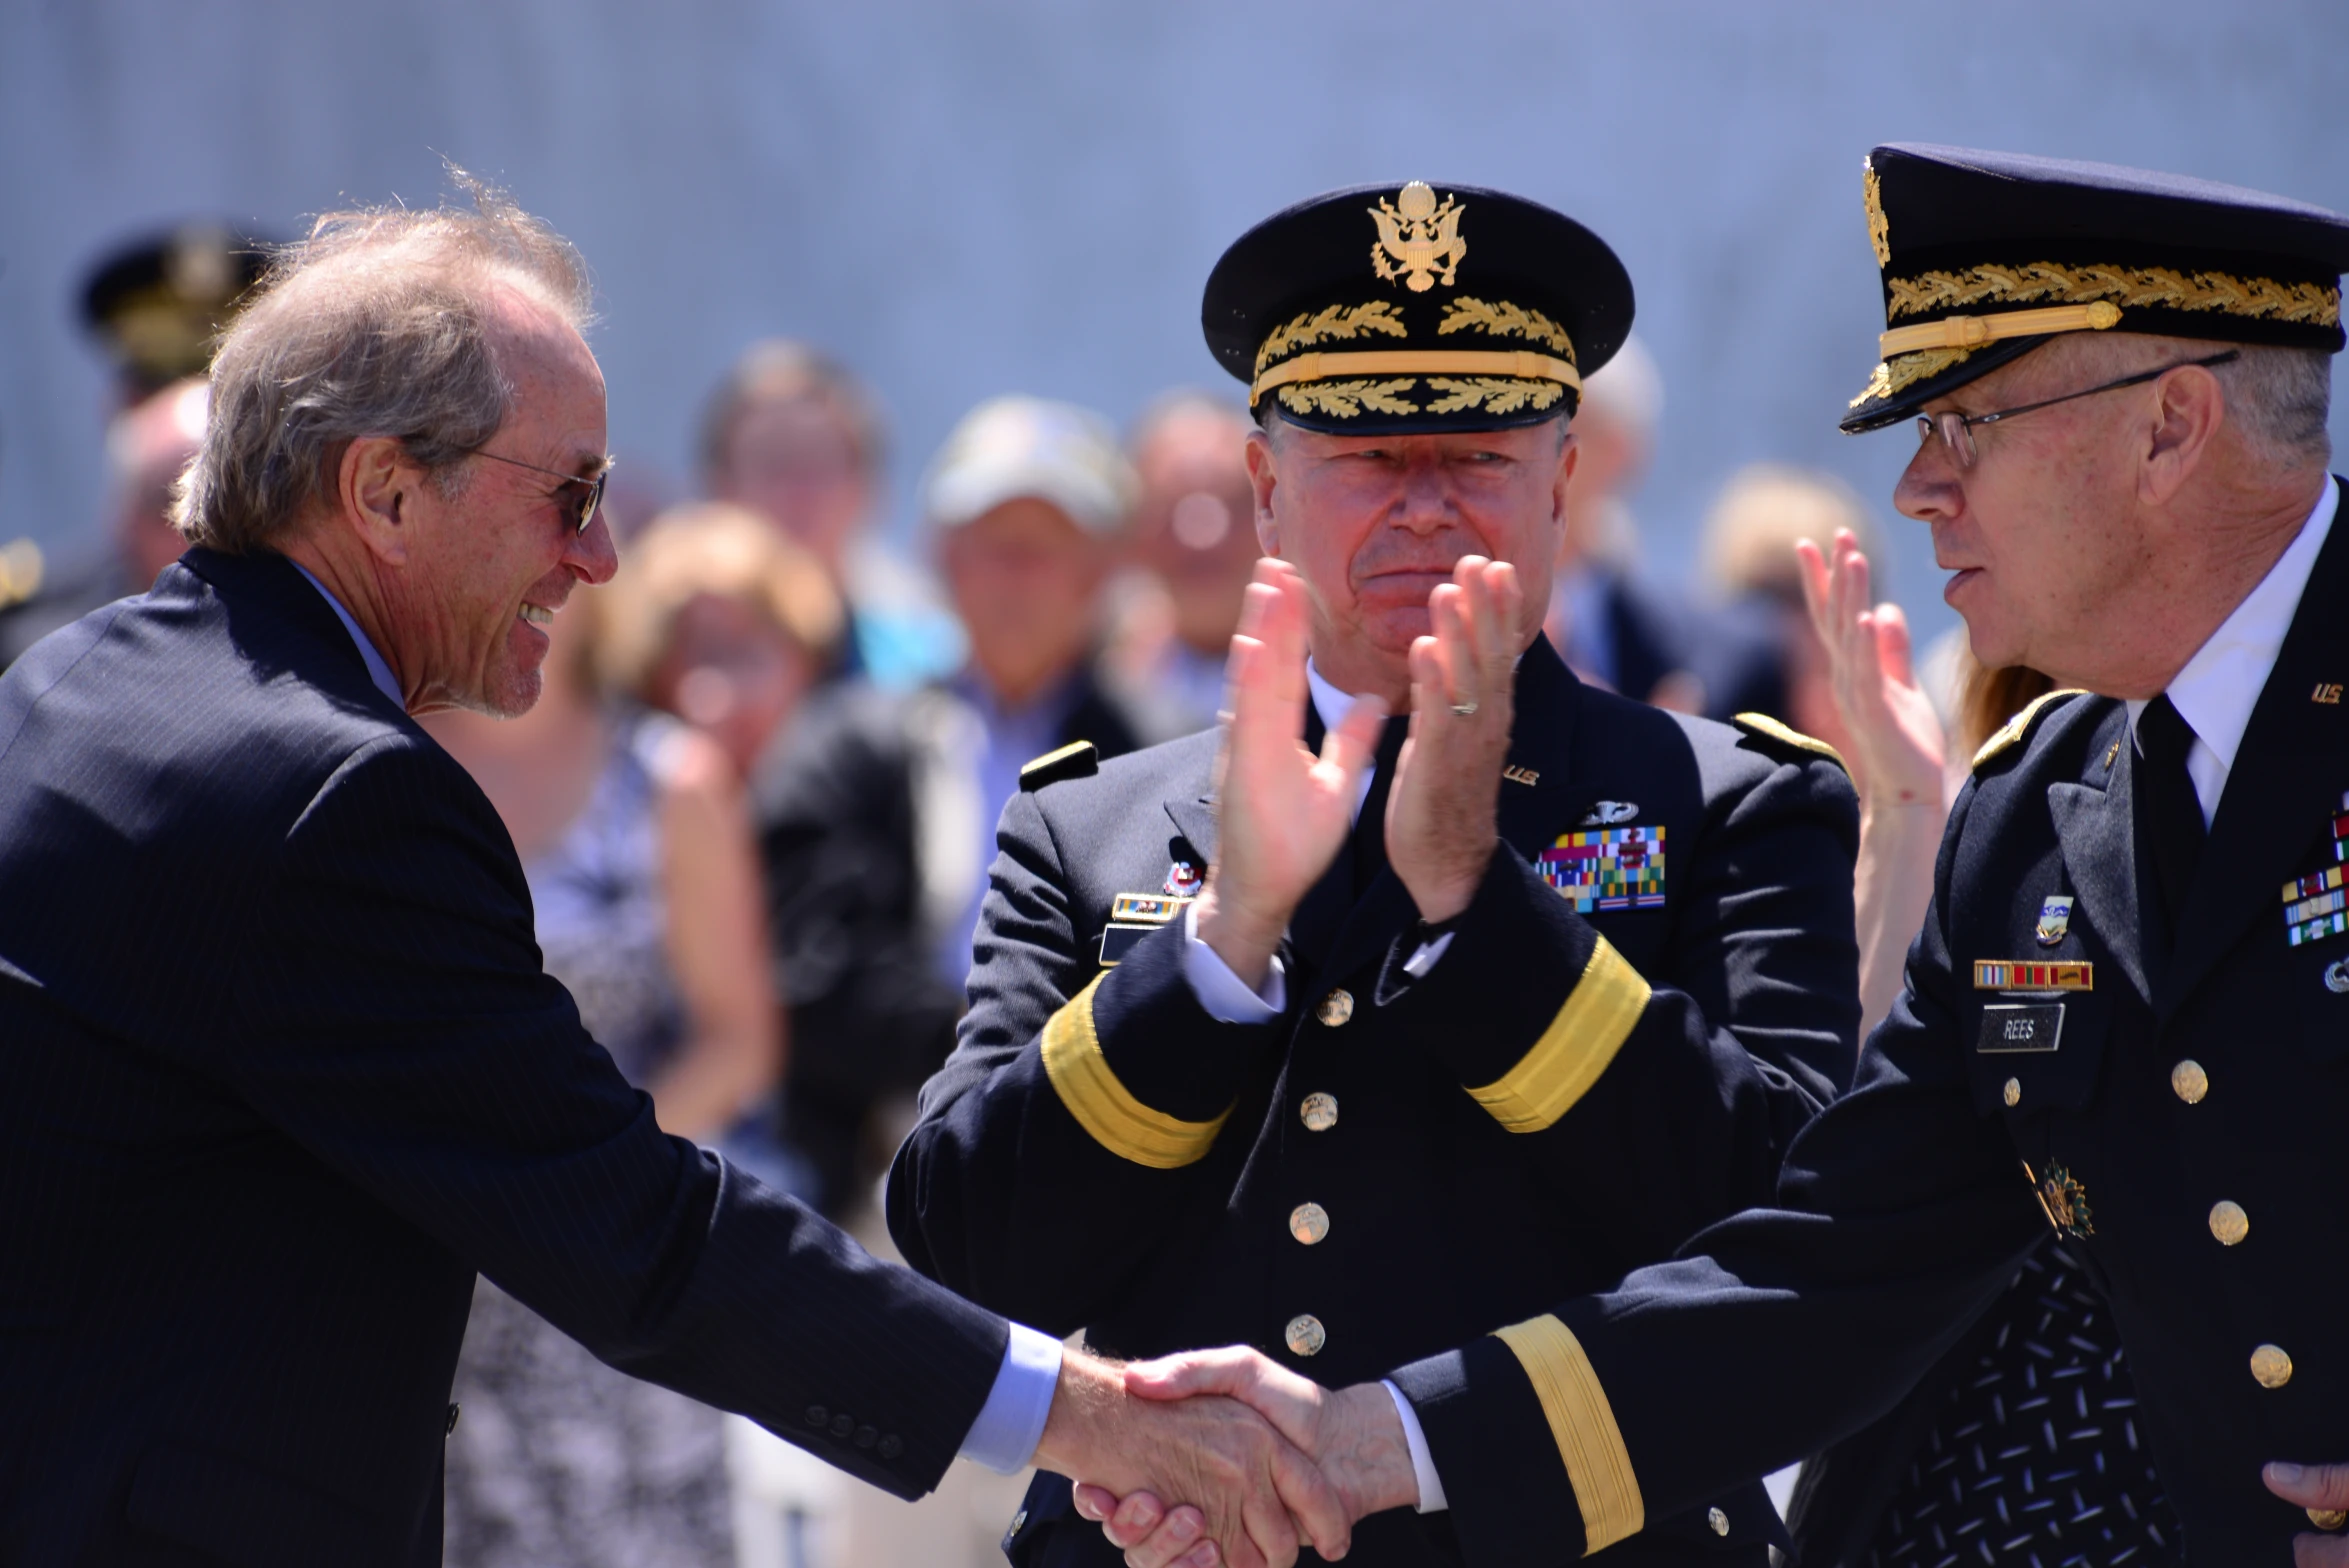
{"x": 538, "y": 615}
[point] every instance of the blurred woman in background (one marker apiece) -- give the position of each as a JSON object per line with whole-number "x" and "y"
{"x": 636, "y": 842}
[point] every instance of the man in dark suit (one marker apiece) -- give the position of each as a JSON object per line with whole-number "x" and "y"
{"x": 279, "y": 1067}
{"x": 2127, "y": 1013}
{"x": 1253, "y": 1058}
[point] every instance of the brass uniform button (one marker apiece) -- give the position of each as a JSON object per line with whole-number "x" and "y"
{"x": 2327, "y": 1518}
{"x": 2189, "y": 1081}
{"x": 1718, "y": 1520}
{"x": 1306, "y": 1337}
{"x": 1335, "y": 1008}
{"x": 2229, "y": 1223}
{"x": 2270, "y": 1367}
{"x": 1308, "y": 1222}
{"x": 2013, "y": 1092}
{"x": 1320, "y": 1112}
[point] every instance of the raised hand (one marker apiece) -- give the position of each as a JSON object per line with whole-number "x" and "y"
{"x": 1353, "y": 1434}
{"x": 1896, "y": 737}
{"x": 1248, "y": 1493}
{"x": 1441, "y": 815}
{"x": 1281, "y": 812}
{"x": 2322, "y": 1490}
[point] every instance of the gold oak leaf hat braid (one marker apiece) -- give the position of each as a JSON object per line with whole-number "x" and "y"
{"x": 1984, "y": 256}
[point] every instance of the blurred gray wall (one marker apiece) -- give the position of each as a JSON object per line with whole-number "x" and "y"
{"x": 964, "y": 198}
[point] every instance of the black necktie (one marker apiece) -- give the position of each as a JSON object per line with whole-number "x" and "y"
{"x": 2169, "y": 817}
{"x": 1370, "y": 828}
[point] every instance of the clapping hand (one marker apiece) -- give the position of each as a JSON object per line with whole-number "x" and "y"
{"x": 1281, "y": 812}
{"x": 1442, "y": 821}
{"x": 1352, "y": 1434}
{"x": 1896, "y": 737}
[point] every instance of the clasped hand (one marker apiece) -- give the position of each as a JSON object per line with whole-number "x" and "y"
{"x": 1283, "y": 813}
{"x": 1352, "y": 1439}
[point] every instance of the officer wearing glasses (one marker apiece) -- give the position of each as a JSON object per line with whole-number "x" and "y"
{"x": 2127, "y": 1014}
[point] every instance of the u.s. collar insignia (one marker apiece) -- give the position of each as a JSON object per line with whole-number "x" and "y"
{"x": 2055, "y": 920}
{"x": 2337, "y": 977}
{"x": 1183, "y": 878}
{"x": 1609, "y": 813}
{"x": 2064, "y": 1200}
{"x": 1418, "y": 240}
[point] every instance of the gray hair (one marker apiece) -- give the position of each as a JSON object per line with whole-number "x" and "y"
{"x": 382, "y": 323}
{"x": 2277, "y": 399}
{"x": 2280, "y": 398}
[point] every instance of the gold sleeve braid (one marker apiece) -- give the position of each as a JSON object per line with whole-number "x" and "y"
{"x": 1575, "y": 1050}
{"x": 1582, "y": 1423}
{"x": 1106, "y": 1108}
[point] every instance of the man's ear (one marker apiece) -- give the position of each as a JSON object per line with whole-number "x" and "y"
{"x": 1263, "y": 479}
{"x": 2189, "y": 406}
{"x": 376, "y": 494}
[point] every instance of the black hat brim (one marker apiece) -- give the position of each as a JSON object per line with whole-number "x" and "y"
{"x": 1877, "y": 413}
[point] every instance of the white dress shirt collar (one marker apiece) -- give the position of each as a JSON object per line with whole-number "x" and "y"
{"x": 1333, "y": 705}
{"x": 2220, "y": 685}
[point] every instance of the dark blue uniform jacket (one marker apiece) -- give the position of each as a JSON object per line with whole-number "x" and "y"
{"x": 2178, "y": 1110}
{"x": 1563, "y": 1097}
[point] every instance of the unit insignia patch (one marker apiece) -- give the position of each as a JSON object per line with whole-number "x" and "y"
{"x": 2055, "y": 920}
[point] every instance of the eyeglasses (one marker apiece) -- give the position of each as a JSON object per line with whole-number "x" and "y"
{"x": 590, "y": 491}
{"x": 1957, "y": 430}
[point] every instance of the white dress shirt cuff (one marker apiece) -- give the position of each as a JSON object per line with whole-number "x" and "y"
{"x": 1225, "y": 995}
{"x": 1011, "y": 1422}
{"x": 1431, "y": 1485}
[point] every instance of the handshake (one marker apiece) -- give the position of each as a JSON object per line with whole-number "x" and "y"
{"x": 1221, "y": 1457}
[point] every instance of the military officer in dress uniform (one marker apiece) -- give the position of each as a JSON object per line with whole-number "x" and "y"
{"x": 1346, "y": 1036}
{"x": 2127, "y": 1015}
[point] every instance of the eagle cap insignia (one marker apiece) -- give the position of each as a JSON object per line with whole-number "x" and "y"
{"x": 1418, "y": 238}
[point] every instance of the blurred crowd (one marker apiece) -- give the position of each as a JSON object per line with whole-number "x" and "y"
{"x": 757, "y": 801}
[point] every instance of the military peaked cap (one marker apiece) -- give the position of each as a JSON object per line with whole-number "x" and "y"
{"x": 158, "y": 302}
{"x": 1394, "y": 309}
{"x": 1985, "y": 255}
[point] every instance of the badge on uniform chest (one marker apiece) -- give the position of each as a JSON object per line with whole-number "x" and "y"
{"x": 2317, "y": 905}
{"x": 1133, "y": 916}
{"x": 2063, "y": 1200}
{"x": 1607, "y": 868}
{"x": 2029, "y": 1024}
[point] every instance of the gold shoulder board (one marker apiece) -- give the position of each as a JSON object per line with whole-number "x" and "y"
{"x": 2016, "y": 729}
{"x": 1770, "y": 729}
{"x": 1079, "y": 759}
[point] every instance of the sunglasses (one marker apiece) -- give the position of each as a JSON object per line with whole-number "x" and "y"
{"x": 584, "y": 495}
{"x": 1957, "y": 430}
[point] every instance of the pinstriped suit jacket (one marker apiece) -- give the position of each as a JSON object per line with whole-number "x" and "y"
{"x": 280, "y": 1069}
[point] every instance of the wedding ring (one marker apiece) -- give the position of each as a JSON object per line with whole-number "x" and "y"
{"x": 1466, "y": 710}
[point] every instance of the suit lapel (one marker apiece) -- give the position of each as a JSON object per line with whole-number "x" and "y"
{"x": 2093, "y": 826}
{"x": 2285, "y": 785}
